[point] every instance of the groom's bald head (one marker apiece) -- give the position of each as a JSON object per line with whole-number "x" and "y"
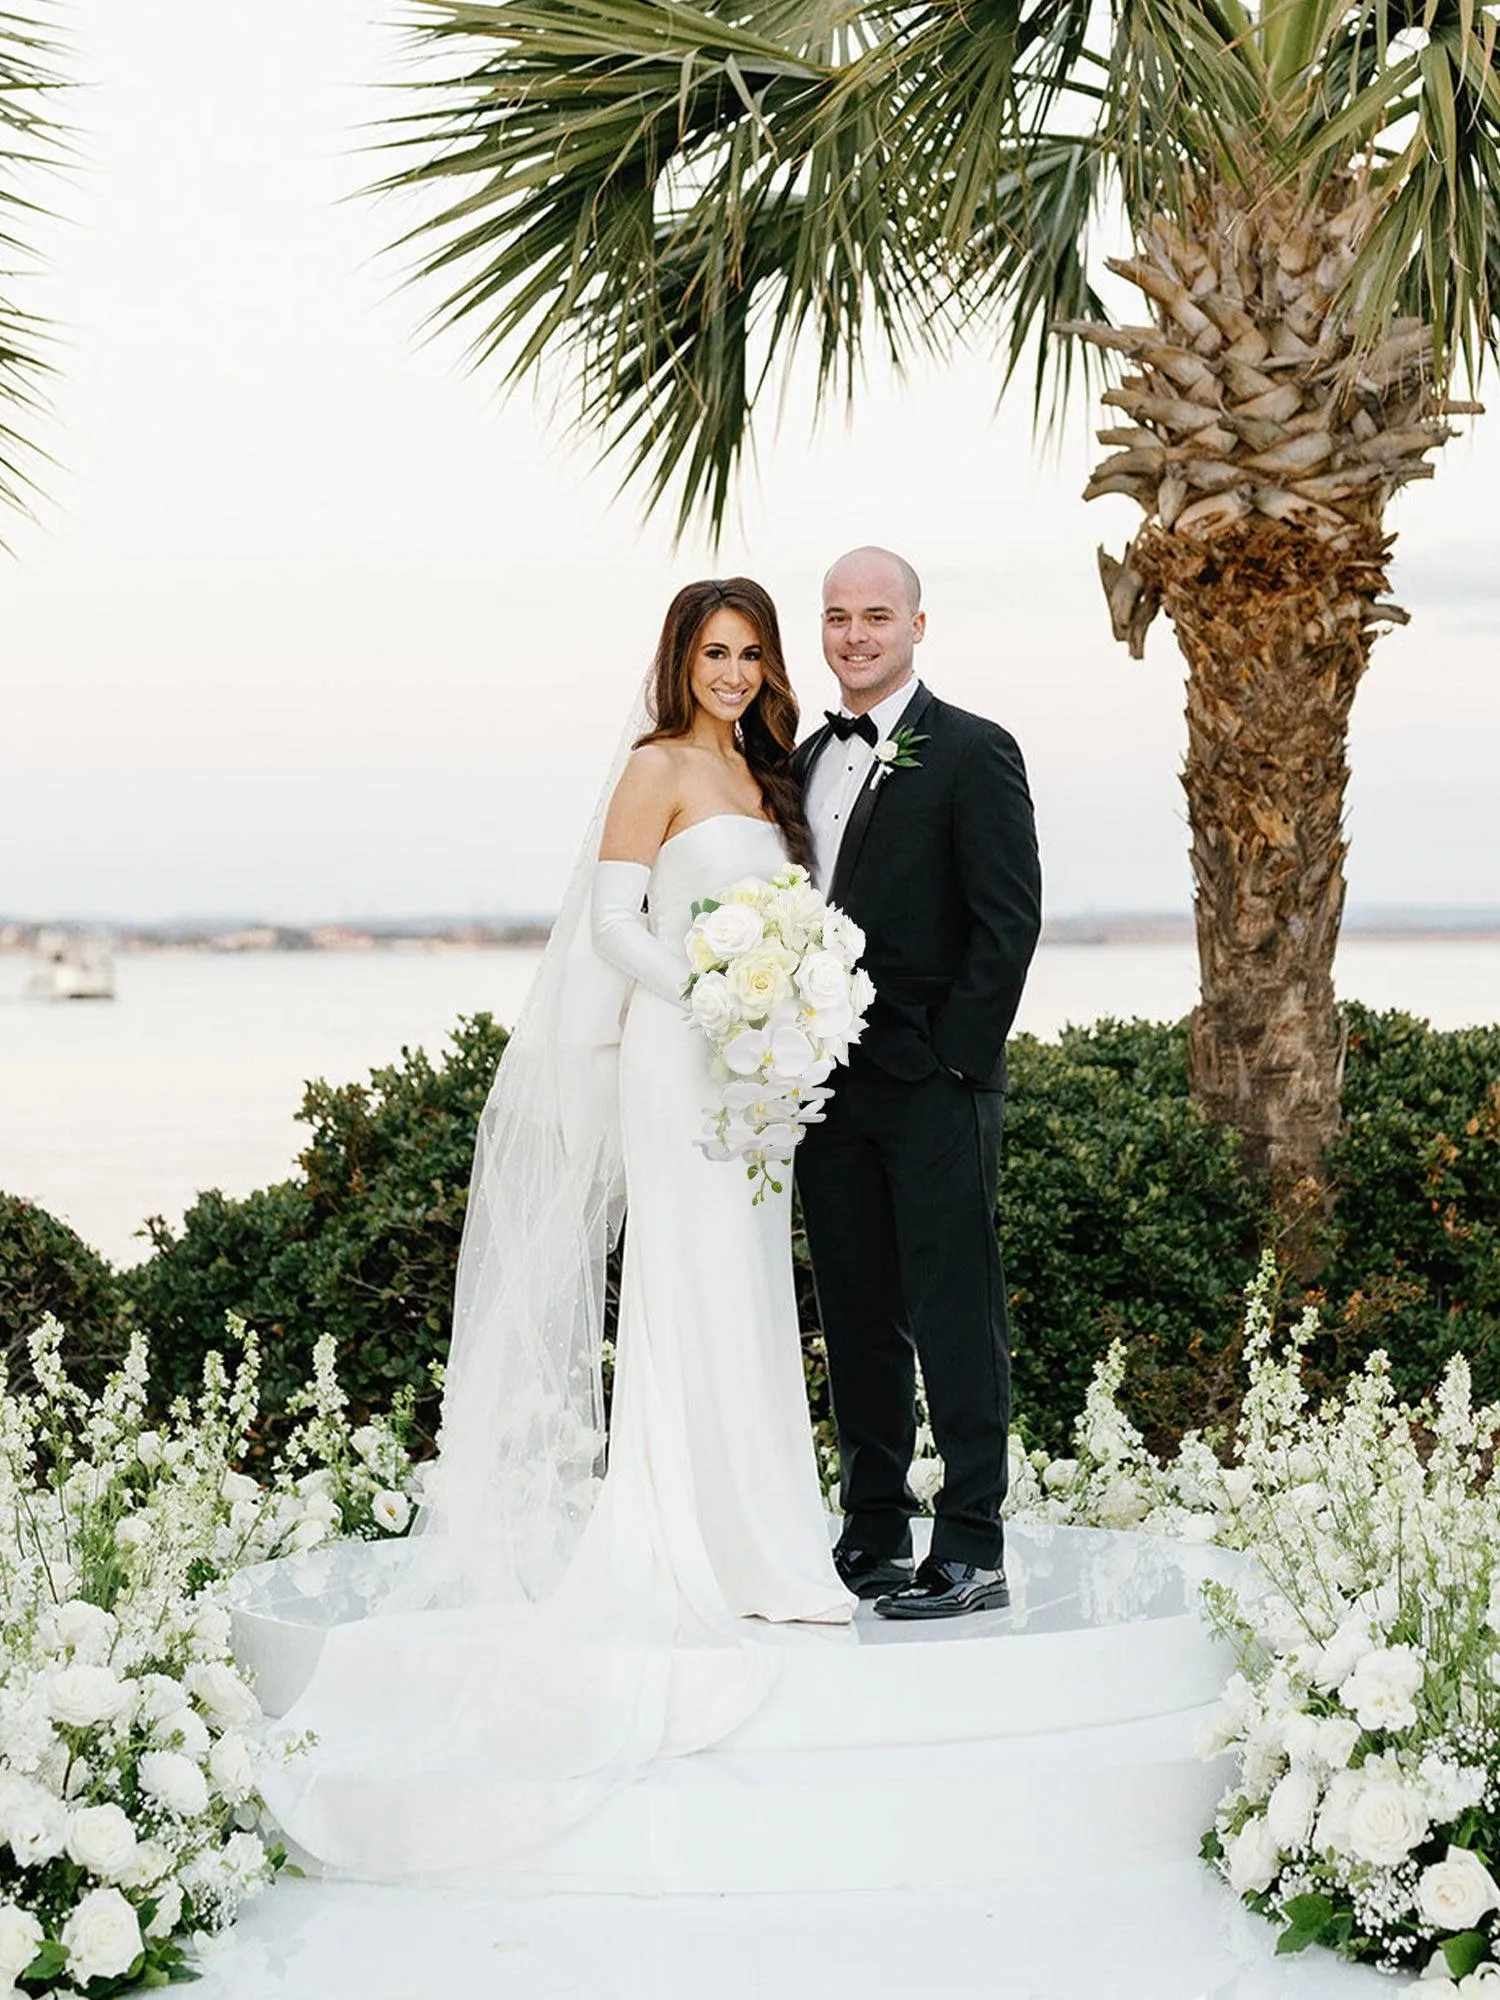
{"x": 874, "y": 566}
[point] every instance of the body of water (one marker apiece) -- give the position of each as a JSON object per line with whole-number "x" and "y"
{"x": 112, "y": 1111}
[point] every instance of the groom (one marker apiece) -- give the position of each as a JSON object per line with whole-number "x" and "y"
{"x": 922, "y": 830}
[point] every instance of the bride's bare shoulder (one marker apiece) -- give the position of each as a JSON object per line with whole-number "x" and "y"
{"x": 644, "y": 803}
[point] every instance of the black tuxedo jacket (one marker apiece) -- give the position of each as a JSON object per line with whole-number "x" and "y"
{"x": 938, "y": 867}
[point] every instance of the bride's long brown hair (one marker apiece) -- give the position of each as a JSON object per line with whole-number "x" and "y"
{"x": 767, "y": 731}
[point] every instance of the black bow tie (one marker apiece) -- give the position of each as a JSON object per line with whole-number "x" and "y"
{"x": 845, "y": 726}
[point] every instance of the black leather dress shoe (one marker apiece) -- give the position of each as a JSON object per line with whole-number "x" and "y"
{"x": 947, "y": 1590}
{"x": 870, "y": 1575}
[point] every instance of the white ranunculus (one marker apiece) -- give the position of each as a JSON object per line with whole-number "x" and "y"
{"x": 843, "y": 935}
{"x": 1292, "y": 1808}
{"x": 731, "y": 930}
{"x": 749, "y": 889}
{"x": 211, "y": 1628}
{"x": 1343, "y": 1652}
{"x": 1454, "y": 1893}
{"x": 1378, "y": 1693}
{"x": 238, "y": 1486}
{"x": 101, "y": 1839}
{"x": 185, "y": 1731}
{"x": 21, "y": 1938}
{"x": 714, "y": 1006}
{"x": 102, "y": 1937}
{"x": 221, "y": 1694}
{"x": 79, "y": 1696}
{"x": 391, "y": 1511}
{"x": 1337, "y": 1737}
{"x": 1386, "y": 1821}
{"x": 230, "y": 1767}
{"x": 168, "y": 1911}
{"x": 32, "y": 1819}
{"x": 1252, "y": 1857}
{"x": 759, "y": 978}
{"x": 174, "y": 1781}
{"x": 87, "y": 1628}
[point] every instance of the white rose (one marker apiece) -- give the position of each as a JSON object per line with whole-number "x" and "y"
{"x": 79, "y": 1696}
{"x": 1299, "y": 1736}
{"x": 1453, "y": 1894}
{"x": 238, "y": 1486}
{"x": 101, "y": 1839}
{"x": 168, "y": 1912}
{"x": 86, "y": 1628}
{"x": 749, "y": 889}
{"x": 759, "y": 978}
{"x": 21, "y": 1938}
{"x": 713, "y": 1005}
{"x": 1292, "y": 1808}
{"x": 1379, "y": 1691}
{"x": 1386, "y": 1822}
{"x": 822, "y": 980}
{"x": 1483, "y": 1983}
{"x": 1060, "y": 1474}
{"x": 174, "y": 1781}
{"x": 230, "y": 1767}
{"x": 731, "y": 930}
{"x": 843, "y": 935}
{"x": 392, "y": 1511}
{"x": 1252, "y": 1857}
{"x": 102, "y": 1937}
{"x": 701, "y": 956}
{"x": 221, "y": 1694}
{"x": 887, "y": 750}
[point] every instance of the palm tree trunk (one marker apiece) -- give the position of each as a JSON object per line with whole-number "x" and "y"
{"x": 1276, "y": 627}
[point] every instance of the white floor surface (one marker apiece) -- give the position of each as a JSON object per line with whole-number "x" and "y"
{"x": 1174, "y": 1934}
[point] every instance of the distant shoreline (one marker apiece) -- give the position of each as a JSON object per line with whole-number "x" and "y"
{"x": 27, "y": 937}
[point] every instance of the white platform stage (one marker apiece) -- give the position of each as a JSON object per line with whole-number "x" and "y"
{"x": 1006, "y": 1805}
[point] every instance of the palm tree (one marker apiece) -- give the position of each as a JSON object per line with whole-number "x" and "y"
{"x": 27, "y": 136}
{"x": 670, "y": 198}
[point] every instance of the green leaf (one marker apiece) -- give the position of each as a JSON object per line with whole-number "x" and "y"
{"x": 1309, "y": 1918}
{"x": 1465, "y": 1951}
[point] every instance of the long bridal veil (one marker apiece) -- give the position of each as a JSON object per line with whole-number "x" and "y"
{"x": 480, "y": 1685}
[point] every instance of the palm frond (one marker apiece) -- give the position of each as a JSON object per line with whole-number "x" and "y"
{"x": 29, "y": 79}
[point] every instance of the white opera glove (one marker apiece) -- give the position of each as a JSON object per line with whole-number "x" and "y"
{"x": 624, "y": 938}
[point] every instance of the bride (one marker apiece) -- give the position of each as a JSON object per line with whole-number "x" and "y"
{"x": 546, "y": 1633}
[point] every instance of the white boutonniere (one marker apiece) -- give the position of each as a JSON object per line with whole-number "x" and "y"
{"x": 894, "y": 753}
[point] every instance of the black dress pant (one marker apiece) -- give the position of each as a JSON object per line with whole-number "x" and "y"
{"x": 898, "y": 1193}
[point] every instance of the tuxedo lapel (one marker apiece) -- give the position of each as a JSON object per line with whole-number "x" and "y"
{"x": 807, "y": 754}
{"x": 858, "y": 828}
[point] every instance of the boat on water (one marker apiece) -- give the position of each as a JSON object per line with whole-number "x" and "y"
{"x": 71, "y": 969}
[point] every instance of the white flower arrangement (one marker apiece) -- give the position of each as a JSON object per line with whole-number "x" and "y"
{"x": 129, "y": 1817}
{"x": 1364, "y": 1717}
{"x": 777, "y": 990}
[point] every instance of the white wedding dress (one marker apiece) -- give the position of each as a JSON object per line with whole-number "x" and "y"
{"x": 464, "y": 1735}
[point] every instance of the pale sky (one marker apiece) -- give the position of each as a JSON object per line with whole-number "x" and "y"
{"x": 315, "y": 626}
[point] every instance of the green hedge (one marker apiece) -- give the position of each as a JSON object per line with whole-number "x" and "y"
{"x": 1121, "y": 1212}
{"x": 46, "y": 1268}
{"x": 361, "y": 1243}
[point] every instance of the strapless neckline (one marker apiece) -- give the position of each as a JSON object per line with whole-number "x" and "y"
{"x": 750, "y": 819}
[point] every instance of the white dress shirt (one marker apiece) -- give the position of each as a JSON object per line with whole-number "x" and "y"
{"x": 838, "y": 776}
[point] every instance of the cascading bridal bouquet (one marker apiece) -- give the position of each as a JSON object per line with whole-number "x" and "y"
{"x": 776, "y": 987}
